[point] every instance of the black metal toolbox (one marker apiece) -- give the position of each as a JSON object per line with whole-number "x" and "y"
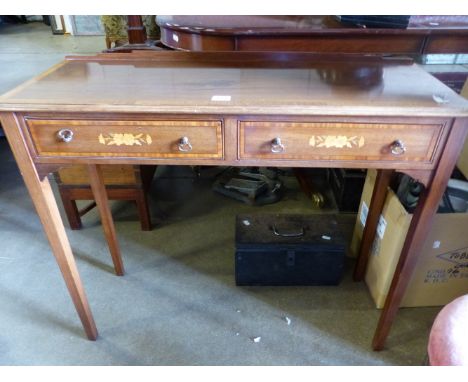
{"x": 347, "y": 186}
{"x": 288, "y": 250}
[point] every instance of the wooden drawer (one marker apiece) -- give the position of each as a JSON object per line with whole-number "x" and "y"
{"x": 155, "y": 139}
{"x": 338, "y": 141}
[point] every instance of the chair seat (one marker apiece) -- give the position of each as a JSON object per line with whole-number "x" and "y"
{"x": 448, "y": 340}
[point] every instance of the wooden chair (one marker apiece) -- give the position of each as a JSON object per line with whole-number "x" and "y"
{"x": 122, "y": 183}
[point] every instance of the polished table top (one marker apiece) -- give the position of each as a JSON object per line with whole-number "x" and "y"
{"x": 258, "y": 83}
{"x": 299, "y": 24}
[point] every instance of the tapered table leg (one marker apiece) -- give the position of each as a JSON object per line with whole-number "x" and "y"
{"x": 418, "y": 231}
{"x": 102, "y": 202}
{"x": 379, "y": 195}
{"x": 46, "y": 206}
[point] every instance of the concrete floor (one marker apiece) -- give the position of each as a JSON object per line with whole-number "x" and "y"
{"x": 177, "y": 303}
{"x": 29, "y": 49}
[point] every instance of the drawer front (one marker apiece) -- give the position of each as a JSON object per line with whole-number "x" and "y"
{"x": 152, "y": 139}
{"x": 338, "y": 141}
{"x": 112, "y": 175}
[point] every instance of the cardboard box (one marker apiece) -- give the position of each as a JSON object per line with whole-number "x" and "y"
{"x": 362, "y": 211}
{"x": 462, "y": 163}
{"x": 441, "y": 272}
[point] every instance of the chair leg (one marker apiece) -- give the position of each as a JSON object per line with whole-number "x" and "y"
{"x": 143, "y": 210}
{"x": 102, "y": 202}
{"x": 71, "y": 210}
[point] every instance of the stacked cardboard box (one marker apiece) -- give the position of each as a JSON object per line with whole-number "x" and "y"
{"x": 442, "y": 270}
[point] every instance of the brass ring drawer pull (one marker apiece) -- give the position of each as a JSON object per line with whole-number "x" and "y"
{"x": 398, "y": 147}
{"x": 277, "y": 146}
{"x": 184, "y": 144}
{"x": 65, "y": 135}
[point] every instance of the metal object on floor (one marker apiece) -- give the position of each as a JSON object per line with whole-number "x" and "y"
{"x": 250, "y": 185}
{"x": 288, "y": 250}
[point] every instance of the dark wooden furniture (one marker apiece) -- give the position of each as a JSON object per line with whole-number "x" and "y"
{"x": 424, "y": 35}
{"x": 236, "y": 109}
{"x": 138, "y": 37}
{"x": 136, "y": 30}
{"x": 122, "y": 183}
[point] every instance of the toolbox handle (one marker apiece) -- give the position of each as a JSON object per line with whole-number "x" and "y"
{"x": 284, "y": 234}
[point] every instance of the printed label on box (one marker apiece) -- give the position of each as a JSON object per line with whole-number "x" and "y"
{"x": 458, "y": 269}
{"x": 381, "y": 227}
{"x": 459, "y": 260}
{"x": 458, "y": 257}
{"x": 436, "y": 276}
{"x": 364, "y": 212}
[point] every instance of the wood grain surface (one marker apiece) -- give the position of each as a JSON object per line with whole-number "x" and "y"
{"x": 43, "y": 198}
{"x": 338, "y": 141}
{"x": 253, "y": 83}
{"x": 158, "y": 139}
{"x": 312, "y": 34}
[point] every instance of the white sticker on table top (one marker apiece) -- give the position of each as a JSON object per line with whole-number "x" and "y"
{"x": 221, "y": 98}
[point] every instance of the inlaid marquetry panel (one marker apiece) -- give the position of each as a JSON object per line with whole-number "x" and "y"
{"x": 338, "y": 141}
{"x": 126, "y": 139}
{"x": 152, "y": 139}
